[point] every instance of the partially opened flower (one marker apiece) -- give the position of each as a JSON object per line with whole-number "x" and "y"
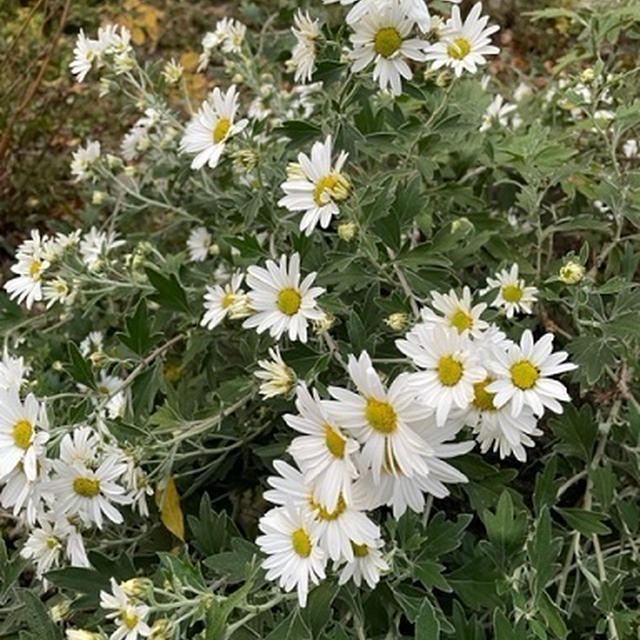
{"x": 514, "y": 296}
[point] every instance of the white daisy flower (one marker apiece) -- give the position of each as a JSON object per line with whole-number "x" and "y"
{"x": 497, "y": 113}
{"x": 314, "y": 186}
{"x": 96, "y": 245}
{"x": 383, "y": 36}
{"x": 524, "y": 373}
{"x": 80, "y": 446}
{"x": 93, "y": 343}
{"x": 30, "y": 267}
{"x": 110, "y": 389}
{"x": 514, "y": 296}
{"x": 220, "y": 302}
{"x": 56, "y": 291}
{"x": 282, "y": 303}
{"x": 450, "y": 368}
{"x": 24, "y": 497}
{"x": 278, "y": 377}
{"x": 381, "y": 419}
{"x": 84, "y": 55}
{"x": 303, "y": 56}
{"x": 12, "y": 372}
{"x": 128, "y": 615}
{"x": 20, "y": 442}
{"x": 457, "y": 313}
{"x": 229, "y": 35}
{"x": 323, "y": 453}
{"x": 464, "y": 45}
{"x": 290, "y": 539}
{"x": 211, "y": 128}
{"x": 199, "y": 244}
{"x": 336, "y": 527}
{"x": 46, "y": 543}
{"x": 496, "y": 428}
{"x": 367, "y": 564}
{"x": 84, "y": 159}
{"x": 89, "y": 493}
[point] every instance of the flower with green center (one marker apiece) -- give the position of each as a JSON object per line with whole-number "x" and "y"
{"x": 289, "y": 301}
{"x": 459, "y": 48}
{"x": 221, "y": 130}
{"x": 86, "y": 487}
{"x": 301, "y": 543}
{"x": 512, "y": 293}
{"x": 387, "y": 41}
{"x": 458, "y": 312}
{"x": 22, "y": 433}
{"x": 129, "y": 619}
{"x": 450, "y": 371}
{"x": 514, "y": 296}
{"x": 524, "y": 374}
{"x": 381, "y": 416}
{"x": 461, "y": 320}
{"x": 336, "y": 443}
{"x": 360, "y": 550}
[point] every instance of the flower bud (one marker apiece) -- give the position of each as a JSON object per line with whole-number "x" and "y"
{"x": 397, "y": 321}
{"x": 347, "y": 231}
{"x": 572, "y": 272}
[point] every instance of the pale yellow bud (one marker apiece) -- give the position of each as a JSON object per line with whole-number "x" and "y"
{"x": 324, "y": 324}
{"x": 397, "y": 321}
{"x": 588, "y": 75}
{"x": 572, "y": 272}
{"x": 347, "y": 231}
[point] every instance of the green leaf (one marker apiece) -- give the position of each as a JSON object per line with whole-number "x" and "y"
{"x": 543, "y": 550}
{"x": 592, "y": 355}
{"x": 577, "y": 431}
{"x": 502, "y": 628}
{"x": 170, "y": 293}
{"x": 138, "y": 336}
{"x": 427, "y": 626}
{"x": 80, "y": 369}
{"x": 318, "y": 610}
{"x": 291, "y": 627}
{"x": 37, "y": 617}
{"x": 586, "y": 522}
{"x": 552, "y": 615}
{"x": 299, "y": 132}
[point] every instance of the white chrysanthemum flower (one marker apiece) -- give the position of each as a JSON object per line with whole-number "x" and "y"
{"x": 278, "y": 377}
{"x": 81, "y": 446}
{"x": 46, "y": 544}
{"x": 20, "y": 441}
{"x": 496, "y": 428}
{"x": 323, "y": 453}
{"x": 56, "y": 291}
{"x": 229, "y": 35}
{"x": 281, "y": 302}
{"x": 96, "y": 245}
{"x": 314, "y": 186}
{"x": 85, "y": 53}
{"x": 220, "y": 302}
{"x": 93, "y": 343}
{"x": 290, "y": 539}
{"x": 464, "y": 45}
{"x": 29, "y": 269}
{"x": 134, "y": 479}
{"x": 89, "y": 493}
{"x": 336, "y": 527}
{"x": 450, "y": 368}
{"x": 381, "y": 419}
{"x": 401, "y": 492}
{"x": 127, "y": 614}
{"x": 492, "y": 338}
{"x": 497, "y": 113}
{"x": 199, "y": 244}
{"x": 383, "y": 36}
{"x": 524, "y": 373}
{"x": 172, "y": 71}
{"x": 84, "y": 159}
{"x": 303, "y": 56}
{"x": 514, "y": 296}
{"x": 12, "y": 372}
{"x": 110, "y": 389}
{"x": 211, "y": 128}
{"x": 367, "y": 564}
{"x": 137, "y": 139}
{"x": 457, "y": 313}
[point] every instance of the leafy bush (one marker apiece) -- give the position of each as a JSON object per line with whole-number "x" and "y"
{"x": 303, "y": 374}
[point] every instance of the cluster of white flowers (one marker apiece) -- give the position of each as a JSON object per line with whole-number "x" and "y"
{"x": 228, "y": 35}
{"x": 46, "y": 266}
{"x": 388, "y": 444}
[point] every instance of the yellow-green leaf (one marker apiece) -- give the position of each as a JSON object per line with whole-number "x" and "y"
{"x": 168, "y": 501}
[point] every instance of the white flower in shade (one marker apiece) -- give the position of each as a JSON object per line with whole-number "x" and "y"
{"x": 382, "y": 36}
{"x": 20, "y": 440}
{"x": 84, "y": 159}
{"x": 220, "y": 302}
{"x": 29, "y": 269}
{"x": 56, "y": 291}
{"x": 303, "y": 56}
{"x": 27, "y": 498}
{"x": 381, "y": 420}
{"x": 93, "y": 343}
{"x": 112, "y": 395}
{"x": 323, "y": 453}
{"x": 496, "y": 428}
{"x": 89, "y": 493}
{"x": 492, "y": 338}
{"x": 401, "y": 492}
{"x": 523, "y": 375}
{"x": 457, "y": 313}
{"x": 336, "y": 527}
{"x": 127, "y": 614}
{"x": 84, "y": 55}
{"x": 497, "y": 113}
{"x": 46, "y": 543}
{"x": 450, "y": 368}
{"x": 281, "y": 302}
{"x": 290, "y": 539}
{"x": 514, "y": 296}
{"x": 96, "y": 245}
{"x": 315, "y": 186}
{"x": 80, "y": 446}
{"x": 278, "y": 378}
{"x": 211, "y": 128}
{"x": 172, "y": 71}
{"x": 464, "y": 45}
{"x": 367, "y": 564}
{"x": 12, "y": 372}
{"x": 199, "y": 244}
{"x": 229, "y": 35}
{"x": 630, "y": 148}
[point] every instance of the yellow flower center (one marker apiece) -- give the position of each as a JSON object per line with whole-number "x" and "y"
{"x": 450, "y": 371}
{"x": 387, "y": 41}
{"x": 221, "y": 129}
{"x": 333, "y": 186}
{"x": 335, "y": 442}
{"x": 512, "y": 293}
{"x": 325, "y": 514}
{"x": 524, "y": 374}
{"x": 53, "y": 543}
{"x": 228, "y": 300}
{"x": 87, "y": 487}
{"x": 360, "y": 550}
{"x": 301, "y": 543}
{"x": 129, "y": 620}
{"x": 461, "y": 320}
{"x": 381, "y": 416}
{"x": 22, "y": 433}
{"x": 34, "y": 269}
{"x": 483, "y": 399}
{"x": 459, "y": 48}
{"x": 289, "y": 301}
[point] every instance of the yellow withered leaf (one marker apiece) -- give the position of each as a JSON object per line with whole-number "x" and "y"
{"x": 168, "y": 501}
